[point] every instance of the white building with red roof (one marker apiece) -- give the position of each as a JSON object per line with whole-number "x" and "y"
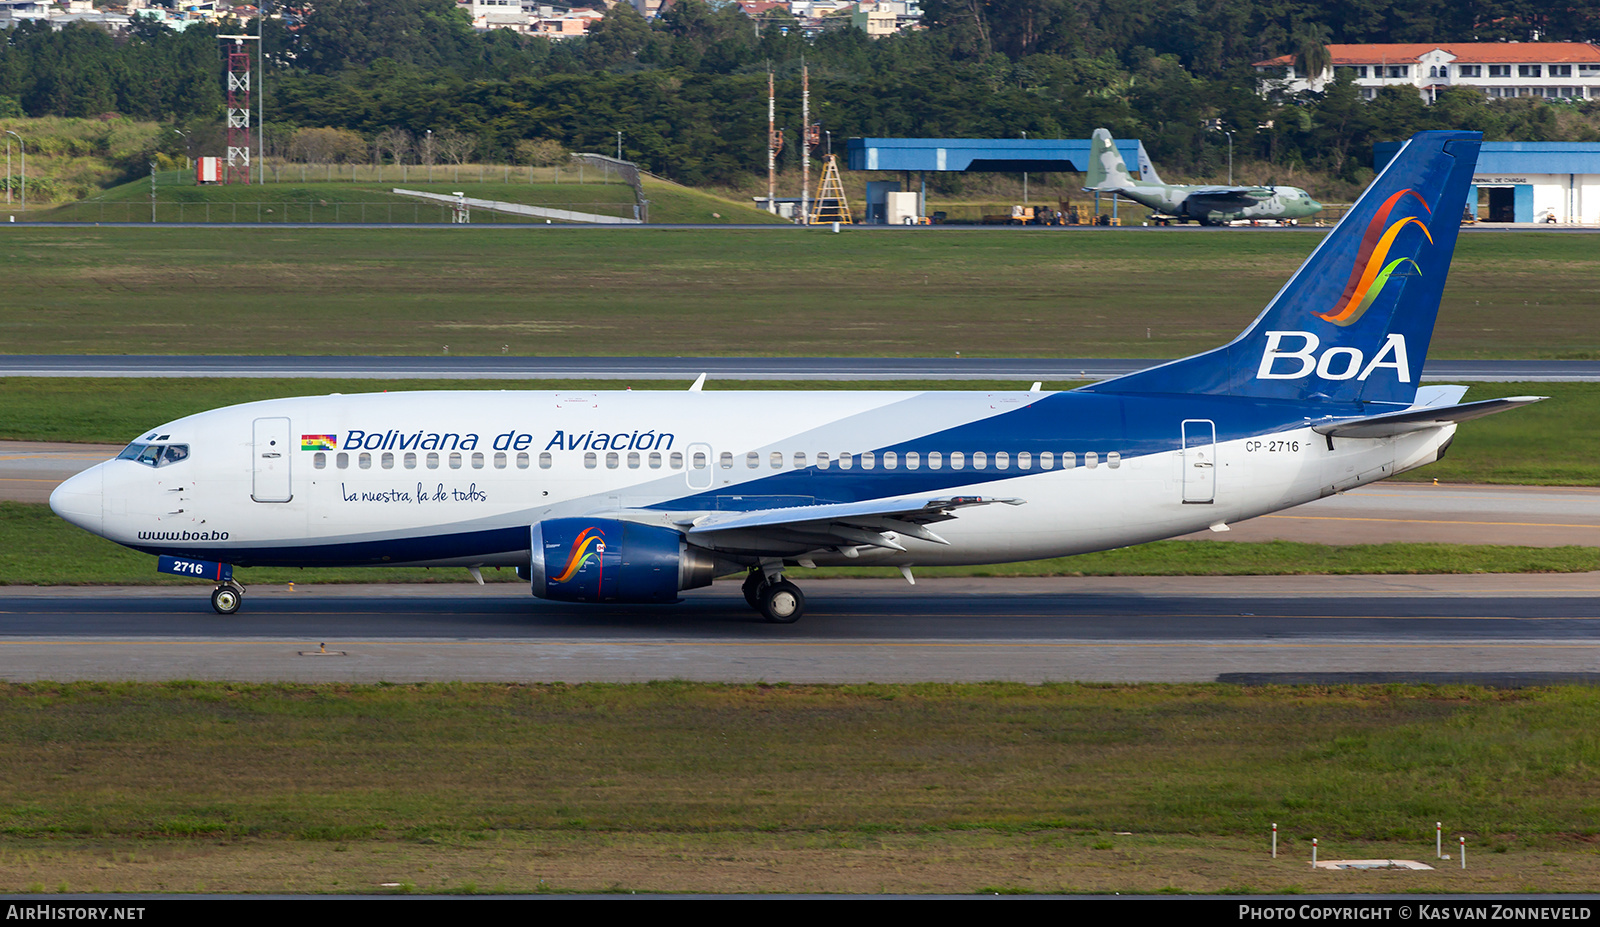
{"x": 1553, "y": 70}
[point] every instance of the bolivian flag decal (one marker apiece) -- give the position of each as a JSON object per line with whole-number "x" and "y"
{"x": 319, "y": 442}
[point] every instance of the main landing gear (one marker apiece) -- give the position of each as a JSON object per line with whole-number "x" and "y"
{"x": 227, "y": 597}
{"x": 778, "y": 600}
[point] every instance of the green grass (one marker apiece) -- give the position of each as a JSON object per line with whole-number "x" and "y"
{"x": 178, "y": 199}
{"x": 1556, "y": 442}
{"x": 463, "y": 762}
{"x": 1092, "y": 292}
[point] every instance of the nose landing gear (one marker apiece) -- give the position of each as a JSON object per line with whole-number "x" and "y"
{"x": 227, "y": 597}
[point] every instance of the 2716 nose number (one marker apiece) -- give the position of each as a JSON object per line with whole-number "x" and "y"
{"x": 1272, "y": 447}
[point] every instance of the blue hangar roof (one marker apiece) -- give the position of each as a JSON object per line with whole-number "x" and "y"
{"x": 982, "y": 154}
{"x": 1519, "y": 157}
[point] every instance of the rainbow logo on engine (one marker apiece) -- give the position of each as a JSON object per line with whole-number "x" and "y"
{"x": 589, "y": 546}
{"x": 1372, "y": 267}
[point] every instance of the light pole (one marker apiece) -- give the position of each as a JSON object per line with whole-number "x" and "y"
{"x": 1229, "y": 134}
{"x": 24, "y": 146}
{"x": 1024, "y": 177}
{"x": 619, "y": 144}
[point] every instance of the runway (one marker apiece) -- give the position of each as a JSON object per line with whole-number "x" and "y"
{"x": 1021, "y": 370}
{"x": 1497, "y": 629}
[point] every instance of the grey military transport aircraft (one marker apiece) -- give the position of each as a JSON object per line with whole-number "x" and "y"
{"x": 1207, "y": 204}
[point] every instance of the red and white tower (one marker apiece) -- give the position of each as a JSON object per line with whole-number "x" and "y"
{"x": 240, "y": 140}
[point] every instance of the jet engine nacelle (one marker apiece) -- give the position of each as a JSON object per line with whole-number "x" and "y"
{"x": 609, "y": 560}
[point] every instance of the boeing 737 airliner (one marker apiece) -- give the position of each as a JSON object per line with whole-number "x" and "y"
{"x": 636, "y": 496}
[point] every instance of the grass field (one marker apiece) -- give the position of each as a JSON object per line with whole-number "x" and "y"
{"x": 1039, "y": 293}
{"x": 689, "y": 787}
{"x": 372, "y": 202}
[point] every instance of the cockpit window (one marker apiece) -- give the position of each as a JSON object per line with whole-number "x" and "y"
{"x": 155, "y": 455}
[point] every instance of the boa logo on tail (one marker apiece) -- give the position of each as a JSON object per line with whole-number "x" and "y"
{"x": 590, "y": 545}
{"x": 1372, "y": 267}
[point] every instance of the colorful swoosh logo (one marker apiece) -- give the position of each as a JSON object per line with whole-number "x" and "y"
{"x": 589, "y": 546}
{"x": 1372, "y": 267}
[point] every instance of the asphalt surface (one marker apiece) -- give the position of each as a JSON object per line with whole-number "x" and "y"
{"x": 1495, "y": 629}
{"x": 1022, "y": 370}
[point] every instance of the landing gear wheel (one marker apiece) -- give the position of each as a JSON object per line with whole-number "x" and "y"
{"x": 752, "y": 588}
{"x": 225, "y": 600}
{"x": 782, "y": 602}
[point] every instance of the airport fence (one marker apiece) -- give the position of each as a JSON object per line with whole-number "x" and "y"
{"x": 310, "y": 212}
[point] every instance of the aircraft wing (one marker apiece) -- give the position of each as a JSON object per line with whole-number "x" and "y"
{"x": 1222, "y": 191}
{"x": 1419, "y": 418}
{"x": 845, "y": 524}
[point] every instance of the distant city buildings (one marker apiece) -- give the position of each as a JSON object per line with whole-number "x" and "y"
{"x": 528, "y": 17}
{"x": 1552, "y": 70}
{"x": 877, "y": 18}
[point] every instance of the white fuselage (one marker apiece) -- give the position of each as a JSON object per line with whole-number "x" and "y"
{"x": 457, "y": 478}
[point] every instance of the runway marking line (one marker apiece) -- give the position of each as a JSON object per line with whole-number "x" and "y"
{"x": 960, "y": 645}
{"x": 1427, "y": 521}
{"x": 1108, "y": 615}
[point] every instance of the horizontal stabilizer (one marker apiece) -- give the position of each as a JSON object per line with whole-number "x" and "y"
{"x": 1419, "y": 419}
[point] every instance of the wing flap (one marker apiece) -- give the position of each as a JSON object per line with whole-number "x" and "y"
{"x": 871, "y": 523}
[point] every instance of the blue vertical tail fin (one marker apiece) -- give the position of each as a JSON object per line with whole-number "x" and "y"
{"x": 1354, "y": 322}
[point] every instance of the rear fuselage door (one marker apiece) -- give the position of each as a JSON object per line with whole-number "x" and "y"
{"x": 1199, "y": 461}
{"x": 272, "y": 452}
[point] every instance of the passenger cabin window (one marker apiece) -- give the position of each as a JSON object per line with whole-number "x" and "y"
{"x": 319, "y": 460}
{"x": 410, "y": 460}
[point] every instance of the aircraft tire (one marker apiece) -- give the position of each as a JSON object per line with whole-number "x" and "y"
{"x": 782, "y": 602}
{"x": 752, "y": 589}
{"x": 225, "y": 601}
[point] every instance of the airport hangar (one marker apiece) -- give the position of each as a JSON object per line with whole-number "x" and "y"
{"x": 1013, "y": 155}
{"x": 1529, "y": 181}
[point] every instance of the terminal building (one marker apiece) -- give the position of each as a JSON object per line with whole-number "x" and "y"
{"x": 1555, "y": 182}
{"x": 1552, "y": 70}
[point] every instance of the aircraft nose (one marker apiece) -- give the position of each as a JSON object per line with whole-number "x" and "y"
{"x": 80, "y": 500}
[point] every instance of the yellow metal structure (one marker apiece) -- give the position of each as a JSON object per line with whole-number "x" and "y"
{"x": 831, "y": 205}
